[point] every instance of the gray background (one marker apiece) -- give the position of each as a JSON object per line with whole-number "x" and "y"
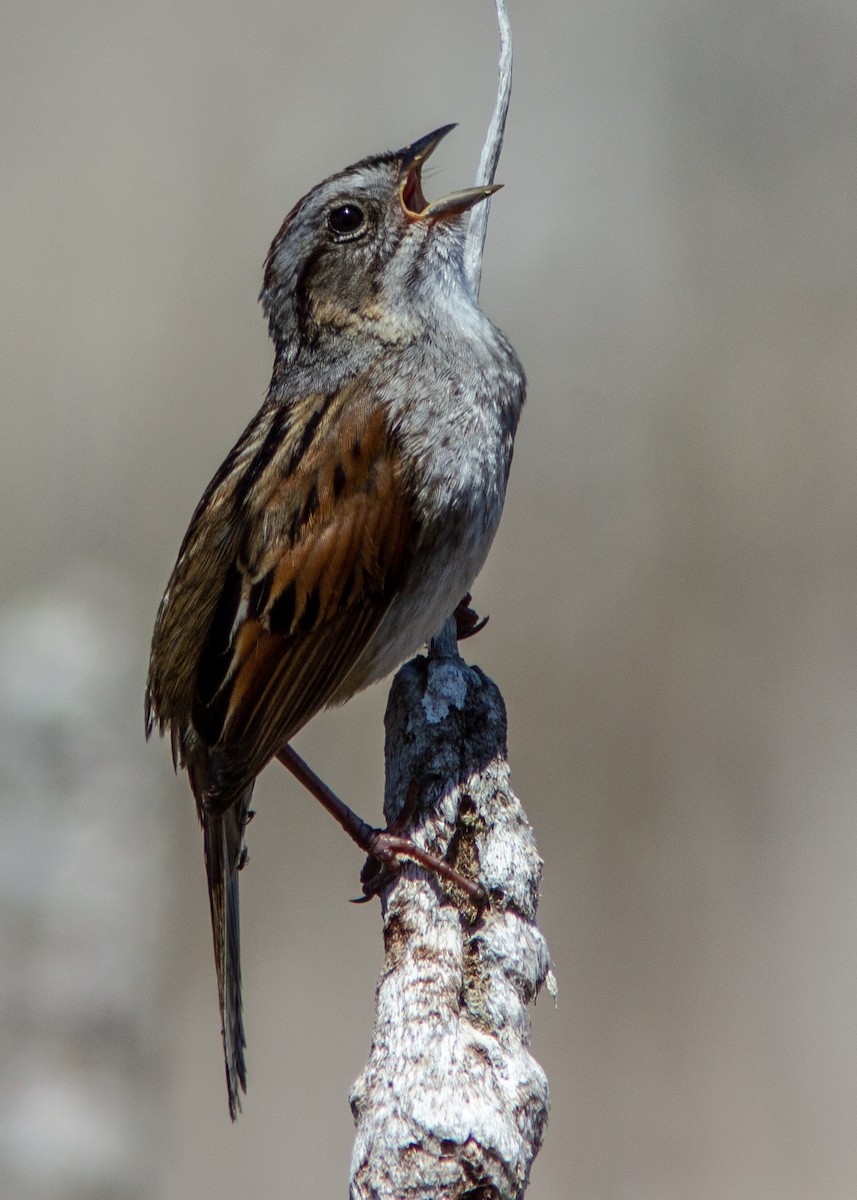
{"x": 672, "y": 592}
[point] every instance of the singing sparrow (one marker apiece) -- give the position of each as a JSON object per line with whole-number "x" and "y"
{"x": 352, "y": 514}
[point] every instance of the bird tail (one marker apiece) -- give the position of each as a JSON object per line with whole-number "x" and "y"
{"x": 223, "y": 835}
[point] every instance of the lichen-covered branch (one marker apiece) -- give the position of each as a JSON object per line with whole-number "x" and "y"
{"x": 451, "y": 1105}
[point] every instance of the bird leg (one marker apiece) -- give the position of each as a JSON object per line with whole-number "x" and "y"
{"x": 387, "y": 846}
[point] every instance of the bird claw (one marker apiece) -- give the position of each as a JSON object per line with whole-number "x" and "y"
{"x": 388, "y": 849}
{"x": 467, "y": 620}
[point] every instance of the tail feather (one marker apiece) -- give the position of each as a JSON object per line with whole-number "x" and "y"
{"x": 223, "y": 835}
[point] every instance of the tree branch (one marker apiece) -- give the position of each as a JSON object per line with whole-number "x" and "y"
{"x": 451, "y": 1105}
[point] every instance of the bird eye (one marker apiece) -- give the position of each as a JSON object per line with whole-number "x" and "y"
{"x": 346, "y": 221}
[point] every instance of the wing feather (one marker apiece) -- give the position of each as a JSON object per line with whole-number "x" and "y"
{"x": 271, "y": 605}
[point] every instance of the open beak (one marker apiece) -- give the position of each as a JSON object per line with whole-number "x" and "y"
{"x": 414, "y": 203}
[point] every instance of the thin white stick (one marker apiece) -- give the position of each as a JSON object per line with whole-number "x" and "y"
{"x": 478, "y": 228}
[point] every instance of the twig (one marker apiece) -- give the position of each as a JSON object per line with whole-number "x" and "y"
{"x": 478, "y": 228}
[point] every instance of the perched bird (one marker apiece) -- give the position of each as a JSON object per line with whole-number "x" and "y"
{"x": 354, "y": 511}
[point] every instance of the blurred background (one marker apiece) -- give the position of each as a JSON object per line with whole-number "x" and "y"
{"x": 672, "y": 592}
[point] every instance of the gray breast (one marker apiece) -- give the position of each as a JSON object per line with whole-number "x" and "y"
{"x": 454, "y": 406}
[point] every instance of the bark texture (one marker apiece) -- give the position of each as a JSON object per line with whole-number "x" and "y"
{"x": 451, "y": 1105}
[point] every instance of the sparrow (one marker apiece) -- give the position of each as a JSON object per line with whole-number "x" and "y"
{"x": 352, "y": 514}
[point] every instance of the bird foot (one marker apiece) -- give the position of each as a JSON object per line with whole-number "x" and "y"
{"x": 467, "y": 620}
{"x": 386, "y": 852}
{"x": 386, "y": 848}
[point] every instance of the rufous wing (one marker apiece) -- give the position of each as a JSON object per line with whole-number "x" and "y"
{"x": 322, "y": 542}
